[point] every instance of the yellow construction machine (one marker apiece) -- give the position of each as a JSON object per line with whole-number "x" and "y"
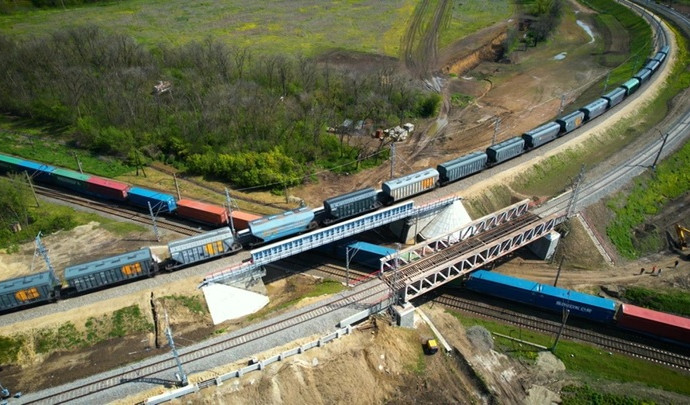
{"x": 683, "y": 236}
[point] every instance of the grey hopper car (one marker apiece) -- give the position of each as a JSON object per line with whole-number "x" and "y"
{"x": 505, "y": 150}
{"x": 458, "y": 168}
{"x": 407, "y": 186}
{"x": 665, "y": 49}
{"x": 541, "y": 135}
{"x": 631, "y": 85}
{"x": 350, "y": 204}
{"x": 112, "y": 270}
{"x": 615, "y": 96}
{"x": 659, "y": 57}
{"x": 643, "y": 75}
{"x": 202, "y": 247}
{"x": 571, "y": 121}
{"x": 595, "y": 108}
{"x": 652, "y": 65}
{"x": 27, "y": 290}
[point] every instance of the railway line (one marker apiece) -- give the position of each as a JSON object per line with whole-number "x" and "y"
{"x": 629, "y": 347}
{"x": 116, "y": 211}
{"x": 309, "y": 263}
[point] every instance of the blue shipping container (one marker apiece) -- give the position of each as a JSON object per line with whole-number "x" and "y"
{"x": 542, "y": 295}
{"x": 39, "y": 171}
{"x": 160, "y": 202}
{"x": 282, "y": 225}
{"x": 364, "y": 253}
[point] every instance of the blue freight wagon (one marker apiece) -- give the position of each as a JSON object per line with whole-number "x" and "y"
{"x": 27, "y": 290}
{"x": 9, "y": 164}
{"x": 409, "y": 185}
{"x": 595, "y": 108}
{"x": 350, "y": 204}
{"x": 70, "y": 179}
{"x": 39, "y": 171}
{"x": 160, "y": 202}
{"x": 615, "y": 96}
{"x": 659, "y": 57}
{"x": 506, "y": 150}
{"x": 571, "y": 121}
{"x": 541, "y": 135}
{"x": 630, "y": 86}
{"x": 282, "y": 225}
{"x": 109, "y": 271}
{"x": 643, "y": 74}
{"x": 652, "y": 65}
{"x": 463, "y": 166}
{"x": 542, "y": 295}
{"x": 202, "y": 247}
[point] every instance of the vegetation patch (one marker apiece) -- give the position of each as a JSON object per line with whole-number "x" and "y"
{"x": 460, "y": 100}
{"x": 193, "y": 303}
{"x": 585, "y": 395}
{"x": 673, "y": 301}
{"x": 469, "y": 16}
{"x": 9, "y": 348}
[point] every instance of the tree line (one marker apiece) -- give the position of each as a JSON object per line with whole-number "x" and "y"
{"x": 243, "y": 117}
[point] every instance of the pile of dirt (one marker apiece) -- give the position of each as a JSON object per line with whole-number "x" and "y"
{"x": 480, "y": 338}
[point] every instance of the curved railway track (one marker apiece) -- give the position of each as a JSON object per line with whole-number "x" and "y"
{"x": 116, "y": 211}
{"x": 612, "y": 343}
{"x": 206, "y": 349}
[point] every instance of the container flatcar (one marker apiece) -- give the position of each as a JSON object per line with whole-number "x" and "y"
{"x": 350, "y": 205}
{"x": 407, "y": 186}
{"x": 643, "y": 75}
{"x": 615, "y": 96}
{"x": 241, "y": 219}
{"x": 37, "y": 170}
{"x": 463, "y": 166}
{"x": 23, "y": 291}
{"x": 541, "y": 135}
{"x": 505, "y": 150}
{"x": 279, "y": 226}
{"x": 654, "y": 323}
{"x": 70, "y": 179}
{"x": 542, "y": 296}
{"x": 160, "y": 202}
{"x": 595, "y": 108}
{"x": 202, "y": 212}
{"x": 571, "y": 122}
{"x": 110, "y": 271}
{"x": 9, "y": 164}
{"x": 202, "y": 247}
{"x": 107, "y": 189}
{"x": 630, "y": 86}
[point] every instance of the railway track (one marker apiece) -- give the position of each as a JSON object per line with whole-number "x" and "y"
{"x": 109, "y": 209}
{"x": 611, "y": 343}
{"x": 367, "y": 294}
{"x": 304, "y": 263}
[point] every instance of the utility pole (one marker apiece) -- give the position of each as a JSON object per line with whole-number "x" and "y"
{"x": 606, "y": 82}
{"x": 28, "y": 178}
{"x": 392, "y": 158}
{"x": 576, "y": 190}
{"x": 349, "y": 257}
{"x": 44, "y": 253}
{"x": 78, "y": 162}
{"x": 177, "y": 187}
{"x": 560, "y": 109}
{"x": 229, "y": 202}
{"x": 663, "y": 142}
{"x": 181, "y": 376}
{"x": 566, "y": 312}
{"x": 153, "y": 220}
{"x": 497, "y": 123}
{"x": 558, "y": 273}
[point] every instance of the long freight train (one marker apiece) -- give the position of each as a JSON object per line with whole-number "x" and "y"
{"x": 24, "y": 291}
{"x": 590, "y": 307}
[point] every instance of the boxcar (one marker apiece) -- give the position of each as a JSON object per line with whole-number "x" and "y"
{"x": 505, "y": 150}
{"x": 615, "y": 96}
{"x": 541, "y": 135}
{"x": 350, "y": 204}
{"x": 38, "y": 170}
{"x": 643, "y": 75}
{"x": 107, "y": 189}
{"x": 407, "y": 186}
{"x": 111, "y": 270}
{"x": 463, "y": 166}
{"x": 202, "y": 212}
{"x": 202, "y": 247}
{"x": 9, "y": 164}
{"x": 655, "y": 323}
{"x": 279, "y": 226}
{"x": 652, "y": 65}
{"x": 70, "y": 179}
{"x": 630, "y": 86}
{"x": 595, "y": 108}
{"x": 241, "y": 219}
{"x": 27, "y": 290}
{"x": 571, "y": 121}
{"x": 542, "y": 295}
{"x": 160, "y": 202}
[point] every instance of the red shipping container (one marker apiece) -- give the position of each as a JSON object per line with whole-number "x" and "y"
{"x": 106, "y": 188}
{"x": 240, "y": 219}
{"x": 655, "y": 323}
{"x": 202, "y": 212}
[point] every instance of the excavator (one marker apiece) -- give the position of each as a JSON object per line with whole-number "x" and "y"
{"x": 683, "y": 236}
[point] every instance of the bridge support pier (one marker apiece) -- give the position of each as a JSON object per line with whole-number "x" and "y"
{"x": 545, "y": 247}
{"x": 404, "y": 315}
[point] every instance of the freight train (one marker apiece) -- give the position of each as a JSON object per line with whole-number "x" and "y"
{"x": 597, "y": 309}
{"x": 17, "y": 293}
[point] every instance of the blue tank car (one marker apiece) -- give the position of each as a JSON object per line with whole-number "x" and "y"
{"x": 543, "y": 296}
{"x": 160, "y": 202}
{"x": 282, "y": 225}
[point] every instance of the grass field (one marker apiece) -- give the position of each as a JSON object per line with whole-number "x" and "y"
{"x": 469, "y": 16}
